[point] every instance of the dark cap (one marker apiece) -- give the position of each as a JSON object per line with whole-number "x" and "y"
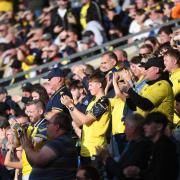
{"x": 27, "y": 87}
{"x": 55, "y": 72}
{"x": 3, "y": 90}
{"x": 156, "y": 117}
{"x": 154, "y": 62}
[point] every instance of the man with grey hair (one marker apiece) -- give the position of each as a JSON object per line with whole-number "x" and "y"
{"x": 136, "y": 151}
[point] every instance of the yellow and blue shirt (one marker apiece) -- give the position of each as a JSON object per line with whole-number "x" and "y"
{"x": 162, "y": 97}
{"x": 94, "y": 134}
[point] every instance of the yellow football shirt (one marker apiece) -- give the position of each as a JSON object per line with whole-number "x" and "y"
{"x": 117, "y": 107}
{"x": 175, "y": 79}
{"x": 161, "y": 95}
{"x": 94, "y": 134}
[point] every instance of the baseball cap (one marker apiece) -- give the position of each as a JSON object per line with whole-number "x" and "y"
{"x": 155, "y": 61}
{"x": 55, "y": 72}
{"x": 27, "y": 87}
{"x": 3, "y": 90}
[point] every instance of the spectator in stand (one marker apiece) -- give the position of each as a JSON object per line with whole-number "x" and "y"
{"x": 89, "y": 7}
{"x": 95, "y": 26}
{"x": 115, "y": 33}
{"x": 145, "y": 51}
{"x": 88, "y": 40}
{"x": 12, "y": 156}
{"x": 147, "y": 100}
{"x": 117, "y": 17}
{"x": 73, "y": 36}
{"x": 117, "y": 103}
{"x": 172, "y": 65}
{"x": 14, "y": 108}
{"x": 138, "y": 24}
{"x": 3, "y": 32}
{"x": 167, "y": 9}
{"x": 63, "y": 16}
{"x": 4, "y": 126}
{"x": 109, "y": 65}
{"x": 153, "y": 42}
{"x": 87, "y": 172}
{"x": 155, "y": 19}
{"x": 136, "y": 152}
{"x": 39, "y": 93}
{"x": 122, "y": 58}
{"x": 95, "y": 121}
{"x": 26, "y": 94}
{"x": 81, "y": 99}
{"x": 58, "y": 158}
{"x": 163, "y": 160}
{"x": 56, "y": 78}
{"x": 165, "y": 35}
{"x": 36, "y": 130}
{"x": 50, "y": 53}
{"x": 16, "y": 162}
{"x": 141, "y": 4}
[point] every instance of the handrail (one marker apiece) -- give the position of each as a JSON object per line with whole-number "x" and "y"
{"x": 102, "y": 47}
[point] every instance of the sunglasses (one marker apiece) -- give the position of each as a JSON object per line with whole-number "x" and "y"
{"x": 143, "y": 55}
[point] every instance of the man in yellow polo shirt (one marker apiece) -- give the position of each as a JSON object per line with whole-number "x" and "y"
{"x": 172, "y": 63}
{"x": 157, "y": 94}
{"x": 95, "y": 121}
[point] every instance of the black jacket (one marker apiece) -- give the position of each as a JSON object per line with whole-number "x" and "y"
{"x": 163, "y": 164}
{"x": 137, "y": 154}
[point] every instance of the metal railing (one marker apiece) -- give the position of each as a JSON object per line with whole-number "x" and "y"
{"x": 85, "y": 56}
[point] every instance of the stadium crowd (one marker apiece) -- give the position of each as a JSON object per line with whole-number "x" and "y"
{"x": 119, "y": 121}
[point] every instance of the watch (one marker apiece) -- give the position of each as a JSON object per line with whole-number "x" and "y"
{"x": 71, "y": 108}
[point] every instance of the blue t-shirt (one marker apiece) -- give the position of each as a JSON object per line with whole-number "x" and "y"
{"x": 64, "y": 166}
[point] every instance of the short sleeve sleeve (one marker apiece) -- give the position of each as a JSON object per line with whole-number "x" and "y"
{"x": 100, "y": 107}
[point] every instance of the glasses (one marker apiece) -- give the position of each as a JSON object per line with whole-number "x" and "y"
{"x": 143, "y": 55}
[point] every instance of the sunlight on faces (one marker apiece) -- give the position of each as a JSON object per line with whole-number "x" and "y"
{"x": 94, "y": 87}
{"x": 33, "y": 112}
{"x": 35, "y": 95}
{"x": 106, "y": 63}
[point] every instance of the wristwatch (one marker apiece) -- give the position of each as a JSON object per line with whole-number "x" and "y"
{"x": 71, "y": 108}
